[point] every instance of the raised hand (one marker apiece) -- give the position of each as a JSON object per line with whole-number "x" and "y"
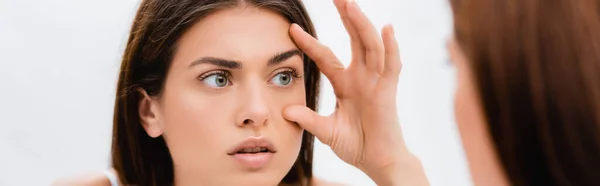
{"x": 364, "y": 130}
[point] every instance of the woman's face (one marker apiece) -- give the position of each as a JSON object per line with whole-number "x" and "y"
{"x": 482, "y": 157}
{"x": 231, "y": 77}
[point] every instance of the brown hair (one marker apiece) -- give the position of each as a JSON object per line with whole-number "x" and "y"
{"x": 157, "y": 27}
{"x": 536, "y": 64}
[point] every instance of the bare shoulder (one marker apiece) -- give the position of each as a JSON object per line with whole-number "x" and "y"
{"x": 321, "y": 182}
{"x": 88, "y": 179}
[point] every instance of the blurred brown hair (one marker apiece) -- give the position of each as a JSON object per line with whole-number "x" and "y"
{"x": 537, "y": 67}
{"x": 157, "y": 27}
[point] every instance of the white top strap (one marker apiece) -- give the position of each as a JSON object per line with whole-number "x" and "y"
{"x": 111, "y": 177}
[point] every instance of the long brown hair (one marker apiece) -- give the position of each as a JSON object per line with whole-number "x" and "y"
{"x": 536, "y": 64}
{"x": 157, "y": 27}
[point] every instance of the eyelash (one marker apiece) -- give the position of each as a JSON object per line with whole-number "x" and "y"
{"x": 216, "y": 72}
{"x": 293, "y": 72}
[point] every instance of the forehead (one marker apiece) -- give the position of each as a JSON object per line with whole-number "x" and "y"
{"x": 242, "y": 33}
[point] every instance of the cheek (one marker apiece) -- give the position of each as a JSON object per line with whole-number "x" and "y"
{"x": 198, "y": 129}
{"x": 466, "y": 119}
{"x": 286, "y": 135}
{"x": 460, "y": 104}
{"x": 466, "y": 109}
{"x": 198, "y": 115}
{"x": 483, "y": 161}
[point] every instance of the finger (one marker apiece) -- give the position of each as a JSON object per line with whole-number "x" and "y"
{"x": 310, "y": 121}
{"x": 393, "y": 63}
{"x": 358, "y": 51}
{"x": 321, "y": 54}
{"x": 374, "y": 50}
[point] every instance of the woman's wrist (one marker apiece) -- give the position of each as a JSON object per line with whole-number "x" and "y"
{"x": 406, "y": 171}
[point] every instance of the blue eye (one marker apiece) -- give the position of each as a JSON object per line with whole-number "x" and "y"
{"x": 282, "y": 79}
{"x": 217, "y": 80}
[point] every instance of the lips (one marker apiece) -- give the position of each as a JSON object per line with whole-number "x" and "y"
{"x": 253, "y": 153}
{"x": 253, "y": 145}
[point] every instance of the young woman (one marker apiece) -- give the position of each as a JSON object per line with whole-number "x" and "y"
{"x": 204, "y": 88}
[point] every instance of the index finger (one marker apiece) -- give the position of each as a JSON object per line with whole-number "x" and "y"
{"x": 327, "y": 62}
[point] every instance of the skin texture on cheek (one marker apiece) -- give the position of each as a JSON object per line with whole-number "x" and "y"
{"x": 202, "y": 123}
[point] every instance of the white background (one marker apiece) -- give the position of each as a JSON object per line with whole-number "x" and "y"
{"x": 59, "y": 61}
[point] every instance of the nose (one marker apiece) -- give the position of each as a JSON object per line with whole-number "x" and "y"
{"x": 254, "y": 108}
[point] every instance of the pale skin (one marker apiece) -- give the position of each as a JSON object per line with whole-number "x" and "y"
{"x": 364, "y": 130}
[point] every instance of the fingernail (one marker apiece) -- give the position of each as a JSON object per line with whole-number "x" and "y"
{"x": 296, "y": 25}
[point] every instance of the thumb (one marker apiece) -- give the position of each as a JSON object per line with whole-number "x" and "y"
{"x": 310, "y": 120}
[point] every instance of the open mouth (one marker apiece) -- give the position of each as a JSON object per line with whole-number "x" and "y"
{"x": 253, "y": 145}
{"x": 252, "y": 150}
{"x": 253, "y": 153}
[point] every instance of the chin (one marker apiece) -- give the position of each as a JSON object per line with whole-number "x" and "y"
{"x": 253, "y": 179}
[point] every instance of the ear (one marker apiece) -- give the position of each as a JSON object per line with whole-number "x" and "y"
{"x": 149, "y": 114}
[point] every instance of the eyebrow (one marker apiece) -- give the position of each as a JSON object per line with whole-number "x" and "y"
{"x": 232, "y": 64}
{"x": 281, "y": 57}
